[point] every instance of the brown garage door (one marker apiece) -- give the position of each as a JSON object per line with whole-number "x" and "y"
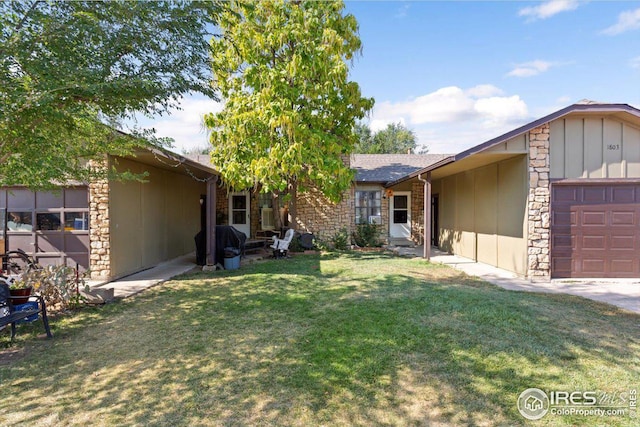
{"x": 595, "y": 230}
{"x": 51, "y": 226}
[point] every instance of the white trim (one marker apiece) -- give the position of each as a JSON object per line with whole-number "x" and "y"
{"x": 246, "y": 227}
{"x": 400, "y": 231}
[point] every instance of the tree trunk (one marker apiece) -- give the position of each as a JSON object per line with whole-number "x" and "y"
{"x": 275, "y": 202}
{"x": 293, "y": 210}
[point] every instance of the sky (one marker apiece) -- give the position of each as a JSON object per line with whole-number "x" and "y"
{"x": 459, "y": 73}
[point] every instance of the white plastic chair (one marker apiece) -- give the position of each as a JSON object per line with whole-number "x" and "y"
{"x": 281, "y": 246}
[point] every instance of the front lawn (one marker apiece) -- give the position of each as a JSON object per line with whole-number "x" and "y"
{"x": 350, "y": 339}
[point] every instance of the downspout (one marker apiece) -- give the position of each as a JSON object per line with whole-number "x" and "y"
{"x": 426, "y": 216}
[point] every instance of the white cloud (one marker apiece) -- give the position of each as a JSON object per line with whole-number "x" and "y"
{"x": 403, "y": 10}
{"x": 548, "y": 9}
{"x": 378, "y": 124}
{"x": 627, "y": 21}
{"x": 451, "y": 119}
{"x": 497, "y": 110}
{"x": 185, "y": 126}
{"x": 529, "y": 69}
{"x": 482, "y": 91}
{"x": 635, "y": 62}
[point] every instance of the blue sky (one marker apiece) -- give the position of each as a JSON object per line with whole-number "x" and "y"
{"x": 459, "y": 73}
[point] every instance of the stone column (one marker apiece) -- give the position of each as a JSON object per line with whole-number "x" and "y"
{"x": 99, "y": 231}
{"x": 538, "y": 236}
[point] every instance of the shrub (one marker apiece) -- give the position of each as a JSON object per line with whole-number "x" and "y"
{"x": 367, "y": 235}
{"x": 340, "y": 240}
{"x": 58, "y": 285}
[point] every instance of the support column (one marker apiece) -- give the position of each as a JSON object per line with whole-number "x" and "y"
{"x": 211, "y": 219}
{"x": 426, "y": 216}
{"x": 538, "y": 213}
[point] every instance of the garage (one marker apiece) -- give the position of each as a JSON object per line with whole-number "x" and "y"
{"x": 595, "y": 230}
{"x": 51, "y": 226}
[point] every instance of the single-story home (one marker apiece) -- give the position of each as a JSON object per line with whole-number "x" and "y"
{"x": 112, "y": 228}
{"x": 557, "y": 197}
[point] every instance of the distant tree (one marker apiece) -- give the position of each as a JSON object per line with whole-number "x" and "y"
{"x": 365, "y": 137}
{"x": 67, "y": 67}
{"x": 394, "y": 139}
{"x": 289, "y": 107}
{"x": 201, "y": 149}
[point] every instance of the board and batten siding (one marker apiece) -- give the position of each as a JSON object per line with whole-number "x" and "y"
{"x": 482, "y": 214}
{"x": 154, "y": 220}
{"x": 589, "y": 147}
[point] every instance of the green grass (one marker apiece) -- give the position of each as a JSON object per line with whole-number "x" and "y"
{"x": 350, "y": 339}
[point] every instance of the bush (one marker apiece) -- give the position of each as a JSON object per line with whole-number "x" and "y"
{"x": 58, "y": 285}
{"x": 367, "y": 235}
{"x": 340, "y": 240}
{"x": 295, "y": 245}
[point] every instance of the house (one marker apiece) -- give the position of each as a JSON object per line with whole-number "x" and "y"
{"x": 368, "y": 201}
{"x": 114, "y": 228}
{"x": 558, "y": 197}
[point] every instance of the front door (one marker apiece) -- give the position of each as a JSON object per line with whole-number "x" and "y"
{"x": 400, "y": 215}
{"x": 239, "y": 212}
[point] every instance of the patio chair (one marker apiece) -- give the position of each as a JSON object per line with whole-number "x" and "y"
{"x": 281, "y": 246}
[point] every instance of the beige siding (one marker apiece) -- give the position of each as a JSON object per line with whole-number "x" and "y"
{"x": 511, "y": 215}
{"x": 631, "y": 151}
{"x": 486, "y": 201}
{"x": 152, "y": 221}
{"x": 482, "y": 214}
{"x": 517, "y": 144}
{"x": 589, "y": 147}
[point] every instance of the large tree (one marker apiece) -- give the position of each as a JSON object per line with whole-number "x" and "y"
{"x": 290, "y": 108}
{"x": 68, "y": 67}
{"x": 394, "y": 139}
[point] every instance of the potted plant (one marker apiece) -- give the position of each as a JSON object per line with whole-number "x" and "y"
{"x": 18, "y": 288}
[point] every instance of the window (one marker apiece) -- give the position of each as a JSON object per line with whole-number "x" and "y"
{"x": 368, "y": 207}
{"x": 76, "y": 221}
{"x": 20, "y": 221}
{"x": 48, "y": 221}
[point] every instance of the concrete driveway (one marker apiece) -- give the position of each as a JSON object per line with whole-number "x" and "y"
{"x": 623, "y": 293}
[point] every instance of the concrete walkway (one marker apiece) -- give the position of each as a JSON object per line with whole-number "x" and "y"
{"x": 624, "y": 293}
{"x": 138, "y": 282}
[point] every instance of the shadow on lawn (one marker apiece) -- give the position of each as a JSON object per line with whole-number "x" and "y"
{"x": 289, "y": 343}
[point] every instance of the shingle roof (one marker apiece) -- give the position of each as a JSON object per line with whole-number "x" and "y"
{"x": 374, "y": 168}
{"x": 383, "y": 168}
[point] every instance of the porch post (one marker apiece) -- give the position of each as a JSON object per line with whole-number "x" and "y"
{"x": 426, "y": 216}
{"x": 211, "y": 219}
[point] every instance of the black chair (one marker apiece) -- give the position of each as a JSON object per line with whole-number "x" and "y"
{"x": 8, "y": 315}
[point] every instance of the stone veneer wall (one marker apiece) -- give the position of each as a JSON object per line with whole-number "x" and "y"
{"x": 99, "y": 231}
{"x": 417, "y": 212}
{"x": 539, "y": 204}
{"x": 323, "y": 218}
{"x": 222, "y": 205}
{"x": 319, "y": 216}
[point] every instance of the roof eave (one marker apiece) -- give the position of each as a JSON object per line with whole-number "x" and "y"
{"x": 429, "y": 168}
{"x": 592, "y": 108}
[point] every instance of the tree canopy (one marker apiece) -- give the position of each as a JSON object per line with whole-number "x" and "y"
{"x": 68, "y": 67}
{"x": 394, "y": 139}
{"x": 290, "y": 108}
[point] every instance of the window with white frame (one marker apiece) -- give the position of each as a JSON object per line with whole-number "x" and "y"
{"x": 368, "y": 207}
